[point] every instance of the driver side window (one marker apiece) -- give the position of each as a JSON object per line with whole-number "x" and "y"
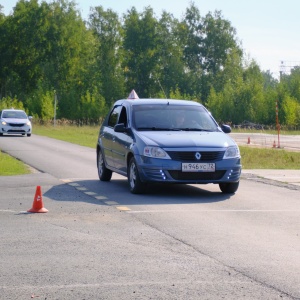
{"x": 123, "y": 117}
{"x": 114, "y": 116}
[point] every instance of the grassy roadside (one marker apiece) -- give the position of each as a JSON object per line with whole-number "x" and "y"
{"x": 84, "y": 136}
{"x": 252, "y": 158}
{"x": 261, "y": 158}
{"x": 12, "y": 166}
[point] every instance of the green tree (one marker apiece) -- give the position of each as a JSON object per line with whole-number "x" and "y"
{"x": 46, "y": 46}
{"x": 92, "y": 107}
{"x": 209, "y": 41}
{"x": 71, "y": 56}
{"x": 170, "y": 73}
{"x": 269, "y": 81}
{"x": 242, "y": 97}
{"x": 25, "y": 35}
{"x": 8, "y": 102}
{"x": 293, "y": 82}
{"x": 3, "y": 60}
{"x": 41, "y": 103}
{"x": 107, "y": 29}
{"x": 219, "y": 41}
{"x": 140, "y": 51}
{"x": 291, "y": 111}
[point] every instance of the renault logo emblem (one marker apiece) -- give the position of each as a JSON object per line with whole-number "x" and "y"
{"x": 198, "y": 155}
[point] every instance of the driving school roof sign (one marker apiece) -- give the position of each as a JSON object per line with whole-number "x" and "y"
{"x": 133, "y": 95}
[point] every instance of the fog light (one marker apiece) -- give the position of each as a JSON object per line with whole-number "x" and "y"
{"x": 163, "y": 174}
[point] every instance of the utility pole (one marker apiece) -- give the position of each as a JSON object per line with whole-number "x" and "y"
{"x": 55, "y": 100}
{"x": 277, "y": 124}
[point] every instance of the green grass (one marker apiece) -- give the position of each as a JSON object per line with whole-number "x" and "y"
{"x": 252, "y": 158}
{"x": 84, "y": 135}
{"x": 10, "y": 166}
{"x": 261, "y": 158}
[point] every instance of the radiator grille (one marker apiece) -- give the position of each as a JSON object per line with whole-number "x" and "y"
{"x": 16, "y": 124}
{"x": 191, "y": 156}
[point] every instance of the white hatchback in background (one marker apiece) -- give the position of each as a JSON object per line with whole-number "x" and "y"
{"x": 15, "y": 121}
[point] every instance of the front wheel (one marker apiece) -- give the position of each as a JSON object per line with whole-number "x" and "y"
{"x": 229, "y": 188}
{"x": 136, "y": 186}
{"x": 103, "y": 173}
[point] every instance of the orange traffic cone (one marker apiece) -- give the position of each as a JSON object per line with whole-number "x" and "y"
{"x": 248, "y": 142}
{"x": 274, "y": 144}
{"x": 38, "y": 206}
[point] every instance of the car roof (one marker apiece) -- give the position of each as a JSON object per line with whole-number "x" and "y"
{"x": 145, "y": 101}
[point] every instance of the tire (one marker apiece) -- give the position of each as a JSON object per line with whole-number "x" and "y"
{"x": 103, "y": 173}
{"x": 229, "y": 188}
{"x": 28, "y": 134}
{"x": 136, "y": 186}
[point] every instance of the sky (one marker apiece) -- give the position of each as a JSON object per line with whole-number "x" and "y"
{"x": 269, "y": 30}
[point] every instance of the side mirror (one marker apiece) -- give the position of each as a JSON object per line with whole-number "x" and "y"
{"x": 226, "y": 128}
{"x": 120, "y": 128}
{"x": 30, "y": 118}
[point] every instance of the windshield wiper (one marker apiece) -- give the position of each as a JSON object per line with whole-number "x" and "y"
{"x": 196, "y": 129}
{"x": 173, "y": 129}
{"x": 154, "y": 128}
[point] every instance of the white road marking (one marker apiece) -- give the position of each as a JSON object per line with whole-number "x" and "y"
{"x": 214, "y": 210}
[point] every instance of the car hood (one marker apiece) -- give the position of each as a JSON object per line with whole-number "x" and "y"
{"x": 15, "y": 121}
{"x": 185, "y": 139}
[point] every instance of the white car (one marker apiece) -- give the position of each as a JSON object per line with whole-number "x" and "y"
{"x": 15, "y": 121}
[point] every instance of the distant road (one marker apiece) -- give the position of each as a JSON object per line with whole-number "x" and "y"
{"x": 288, "y": 142}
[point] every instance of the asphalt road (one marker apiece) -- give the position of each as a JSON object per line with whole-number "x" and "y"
{"x": 98, "y": 241}
{"x": 287, "y": 142}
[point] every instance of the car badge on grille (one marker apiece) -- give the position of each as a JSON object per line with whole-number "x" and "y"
{"x": 197, "y": 155}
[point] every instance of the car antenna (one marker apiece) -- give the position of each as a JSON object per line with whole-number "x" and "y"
{"x": 156, "y": 79}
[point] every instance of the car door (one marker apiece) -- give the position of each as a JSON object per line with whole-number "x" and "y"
{"x": 108, "y": 136}
{"x": 121, "y": 144}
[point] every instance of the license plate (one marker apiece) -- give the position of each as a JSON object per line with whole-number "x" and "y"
{"x": 198, "y": 167}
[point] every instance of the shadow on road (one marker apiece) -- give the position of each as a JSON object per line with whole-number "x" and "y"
{"x": 97, "y": 192}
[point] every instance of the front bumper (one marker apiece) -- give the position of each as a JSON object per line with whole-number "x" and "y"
{"x": 169, "y": 171}
{"x": 8, "y": 129}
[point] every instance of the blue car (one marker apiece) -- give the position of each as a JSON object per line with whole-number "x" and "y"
{"x": 166, "y": 141}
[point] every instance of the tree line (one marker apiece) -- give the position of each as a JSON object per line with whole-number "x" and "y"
{"x": 48, "y": 50}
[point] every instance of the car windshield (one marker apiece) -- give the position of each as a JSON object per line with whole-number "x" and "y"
{"x": 14, "y": 115}
{"x": 172, "y": 117}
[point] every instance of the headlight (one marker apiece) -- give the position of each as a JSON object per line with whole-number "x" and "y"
{"x": 28, "y": 123}
{"x": 156, "y": 152}
{"x": 3, "y": 123}
{"x": 232, "y": 152}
